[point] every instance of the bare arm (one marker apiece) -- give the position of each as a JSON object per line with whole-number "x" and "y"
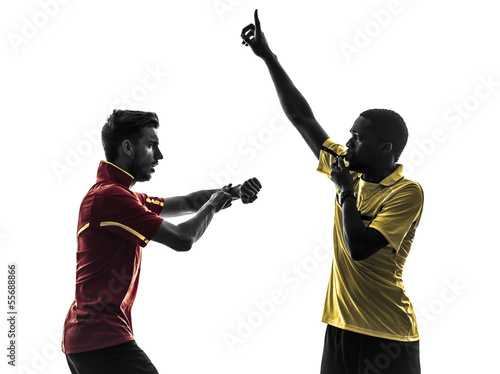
{"x": 182, "y": 205}
{"x": 182, "y": 237}
{"x": 192, "y": 203}
{"x": 361, "y": 242}
{"x": 205, "y": 203}
{"x": 292, "y": 101}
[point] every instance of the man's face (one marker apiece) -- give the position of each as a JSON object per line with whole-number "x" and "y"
{"x": 362, "y": 148}
{"x": 146, "y": 155}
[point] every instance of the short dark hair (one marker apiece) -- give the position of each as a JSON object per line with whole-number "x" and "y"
{"x": 124, "y": 124}
{"x": 390, "y": 126}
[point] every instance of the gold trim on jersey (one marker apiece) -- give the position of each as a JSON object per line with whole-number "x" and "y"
{"x": 110, "y": 223}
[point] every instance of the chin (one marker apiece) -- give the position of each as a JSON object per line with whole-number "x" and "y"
{"x": 143, "y": 178}
{"x": 351, "y": 166}
{"x": 355, "y": 166}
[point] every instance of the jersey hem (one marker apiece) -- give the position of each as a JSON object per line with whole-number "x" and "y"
{"x": 375, "y": 334}
{"x": 98, "y": 346}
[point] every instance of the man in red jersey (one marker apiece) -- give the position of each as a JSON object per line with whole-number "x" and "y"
{"x": 113, "y": 225}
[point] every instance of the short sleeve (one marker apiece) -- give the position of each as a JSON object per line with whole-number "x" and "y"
{"x": 154, "y": 204}
{"x": 399, "y": 214}
{"x": 124, "y": 214}
{"x": 329, "y": 150}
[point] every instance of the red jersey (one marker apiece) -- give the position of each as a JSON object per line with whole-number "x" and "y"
{"x": 113, "y": 226}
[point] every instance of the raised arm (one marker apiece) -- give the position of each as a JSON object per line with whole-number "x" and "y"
{"x": 293, "y": 103}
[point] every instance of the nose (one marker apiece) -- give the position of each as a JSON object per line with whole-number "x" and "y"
{"x": 349, "y": 143}
{"x": 159, "y": 155}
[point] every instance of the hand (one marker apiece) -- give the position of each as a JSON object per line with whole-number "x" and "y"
{"x": 253, "y": 36}
{"x": 221, "y": 199}
{"x": 248, "y": 190}
{"x": 340, "y": 175}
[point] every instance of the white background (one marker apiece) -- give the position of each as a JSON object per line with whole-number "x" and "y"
{"x": 66, "y": 65}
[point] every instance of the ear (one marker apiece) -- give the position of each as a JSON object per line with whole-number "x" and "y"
{"x": 385, "y": 147}
{"x": 127, "y": 147}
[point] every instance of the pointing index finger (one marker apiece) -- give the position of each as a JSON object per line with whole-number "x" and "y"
{"x": 257, "y": 22}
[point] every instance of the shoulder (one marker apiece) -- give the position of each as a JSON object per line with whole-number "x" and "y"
{"x": 116, "y": 192}
{"x": 113, "y": 188}
{"x": 409, "y": 185}
{"x": 408, "y": 190}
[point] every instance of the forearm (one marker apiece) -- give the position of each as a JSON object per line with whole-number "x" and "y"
{"x": 352, "y": 224}
{"x": 194, "y": 228}
{"x": 199, "y": 198}
{"x": 361, "y": 241}
{"x": 356, "y": 235}
{"x": 296, "y": 107}
{"x": 191, "y": 203}
{"x": 182, "y": 237}
{"x": 292, "y": 101}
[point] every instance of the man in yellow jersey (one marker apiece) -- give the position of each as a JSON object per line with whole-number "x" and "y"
{"x": 371, "y": 323}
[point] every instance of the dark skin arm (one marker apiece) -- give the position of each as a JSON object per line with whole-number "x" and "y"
{"x": 293, "y": 103}
{"x": 361, "y": 242}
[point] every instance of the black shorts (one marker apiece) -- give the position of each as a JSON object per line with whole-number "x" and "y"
{"x": 118, "y": 359}
{"x": 347, "y": 352}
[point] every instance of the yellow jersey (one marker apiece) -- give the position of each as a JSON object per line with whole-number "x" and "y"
{"x": 368, "y": 296}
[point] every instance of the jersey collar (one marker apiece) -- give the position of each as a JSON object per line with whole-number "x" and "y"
{"x": 395, "y": 176}
{"x": 110, "y": 172}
